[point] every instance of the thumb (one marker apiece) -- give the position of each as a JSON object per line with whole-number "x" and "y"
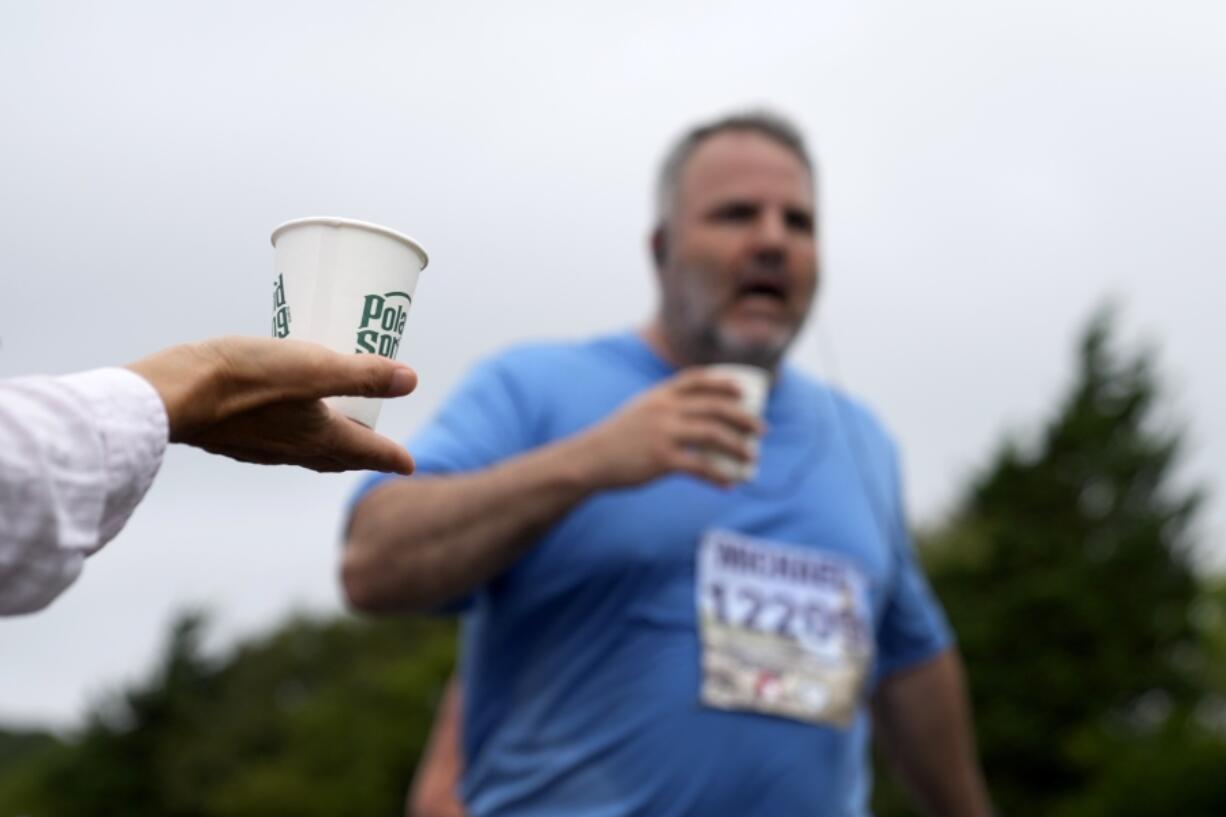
{"x": 354, "y": 375}
{"x": 376, "y": 376}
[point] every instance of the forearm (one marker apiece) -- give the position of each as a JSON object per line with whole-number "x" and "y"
{"x": 418, "y": 543}
{"x": 77, "y": 454}
{"x": 923, "y": 723}
{"x": 433, "y": 793}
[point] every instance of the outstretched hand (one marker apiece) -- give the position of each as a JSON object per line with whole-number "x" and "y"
{"x": 259, "y": 400}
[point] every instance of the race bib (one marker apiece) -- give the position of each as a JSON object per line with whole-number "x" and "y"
{"x": 785, "y": 630}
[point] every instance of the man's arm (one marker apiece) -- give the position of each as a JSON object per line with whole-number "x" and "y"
{"x": 260, "y": 400}
{"x": 78, "y": 452}
{"x": 416, "y": 544}
{"x": 922, "y": 720}
{"x": 419, "y": 543}
{"x": 433, "y": 793}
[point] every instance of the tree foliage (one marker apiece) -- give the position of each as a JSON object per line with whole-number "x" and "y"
{"x": 1067, "y": 573}
{"x": 318, "y": 718}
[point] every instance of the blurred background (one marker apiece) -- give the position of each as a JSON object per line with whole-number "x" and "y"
{"x": 1021, "y": 207}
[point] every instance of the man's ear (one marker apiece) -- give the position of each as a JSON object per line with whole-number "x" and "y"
{"x": 659, "y": 246}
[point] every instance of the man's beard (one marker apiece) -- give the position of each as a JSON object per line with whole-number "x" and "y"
{"x": 723, "y": 346}
{"x": 691, "y": 321}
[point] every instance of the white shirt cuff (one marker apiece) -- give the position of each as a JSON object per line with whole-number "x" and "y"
{"x": 133, "y": 430}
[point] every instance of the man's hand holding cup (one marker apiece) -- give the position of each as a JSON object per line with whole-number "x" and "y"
{"x": 697, "y": 422}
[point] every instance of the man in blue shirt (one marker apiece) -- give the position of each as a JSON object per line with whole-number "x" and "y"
{"x": 642, "y": 635}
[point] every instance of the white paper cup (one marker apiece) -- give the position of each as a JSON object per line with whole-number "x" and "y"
{"x": 346, "y": 285}
{"x": 754, "y": 383}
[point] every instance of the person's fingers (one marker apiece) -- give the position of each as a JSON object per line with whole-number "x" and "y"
{"x": 353, "y": 446}
{"x": 695, "y": 380}
{"x": 716, "y": 436}
{"x": 725, "y": 410}
{"x": 404, "y": 381}
{"x": 259, "y": 371}
{"x": 687, "y": 378}
{"x": 361, "y": 376}
{"x": 202, "y": 384}
{"x": 695, "y": 464}
{"x": 305, "y": 433}
{"x": 312, "y": 371}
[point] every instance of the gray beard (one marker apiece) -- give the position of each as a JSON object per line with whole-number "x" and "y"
{"x": 705, "y": 343}
{"x": 725, "y": 349}
{"x": 692, "y": 332}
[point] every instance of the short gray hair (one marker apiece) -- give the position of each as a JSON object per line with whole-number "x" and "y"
{"x": 765, "y": 123}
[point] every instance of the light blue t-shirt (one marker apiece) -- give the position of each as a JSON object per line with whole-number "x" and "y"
{"x": 582, "y": 662}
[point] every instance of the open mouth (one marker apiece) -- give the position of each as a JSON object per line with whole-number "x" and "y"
{"x": 764, "y": 290}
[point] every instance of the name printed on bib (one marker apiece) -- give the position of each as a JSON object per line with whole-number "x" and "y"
{"x": 785, "y": 630}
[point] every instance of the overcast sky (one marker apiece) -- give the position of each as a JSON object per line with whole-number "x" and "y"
{"x": 990, "y": 173}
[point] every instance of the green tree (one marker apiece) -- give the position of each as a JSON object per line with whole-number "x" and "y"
{"x": 23, "y": 754}
{"x": 321, "y": 717}
{"x": 1067, "y": 574}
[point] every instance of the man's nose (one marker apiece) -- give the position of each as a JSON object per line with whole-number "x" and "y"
{"x": 770, "y": 236}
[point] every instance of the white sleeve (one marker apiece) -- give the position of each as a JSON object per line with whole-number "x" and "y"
{"x": 77, "y": 454}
